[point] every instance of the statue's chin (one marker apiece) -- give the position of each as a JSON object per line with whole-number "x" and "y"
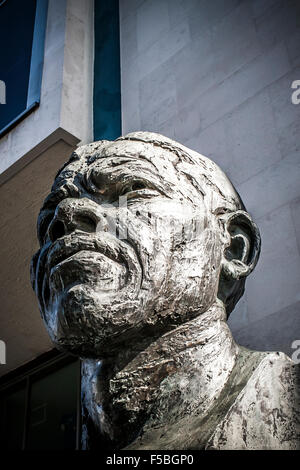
{"x": 89, "y": 322}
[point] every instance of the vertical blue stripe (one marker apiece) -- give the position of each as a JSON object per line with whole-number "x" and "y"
{"x": 16, "y": 36}
{"x": 107, "y": 76}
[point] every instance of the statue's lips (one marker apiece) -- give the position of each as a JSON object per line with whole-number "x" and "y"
{"x": 77, "y": 242}
{"x": 121, "y": 252}
{"x": 89, "y": 267}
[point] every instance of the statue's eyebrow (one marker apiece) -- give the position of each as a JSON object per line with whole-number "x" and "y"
{"x": 120, "y": 172}
{"x": 120, "y": 160}
{"x": 144, "y": 159}
{"x": 145, "y": 173}
{"x": 114, "y": 164}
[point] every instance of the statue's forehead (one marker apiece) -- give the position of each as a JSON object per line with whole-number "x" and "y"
{"x": 133, "y": 153}
{"x": 135, "y": 156}
{"x": 139, "y": 149}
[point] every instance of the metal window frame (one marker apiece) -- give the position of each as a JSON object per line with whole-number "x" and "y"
{"x": 36, "y": 65}
{"x": 36, "y": 369}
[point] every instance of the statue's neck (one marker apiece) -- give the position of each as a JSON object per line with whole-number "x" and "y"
{"x": 184, "y": 369}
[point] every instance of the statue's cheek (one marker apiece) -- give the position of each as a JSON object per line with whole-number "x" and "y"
{"x": 196, "y": 267}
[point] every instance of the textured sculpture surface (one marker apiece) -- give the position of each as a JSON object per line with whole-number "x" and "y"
{"x": 145, "y": 248}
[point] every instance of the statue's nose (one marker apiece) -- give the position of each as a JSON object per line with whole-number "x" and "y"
{"x": 71, "y": 215}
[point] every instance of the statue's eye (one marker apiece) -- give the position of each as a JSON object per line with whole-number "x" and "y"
{"x": 135, "y": 186}
{"x": 138, "y": 185}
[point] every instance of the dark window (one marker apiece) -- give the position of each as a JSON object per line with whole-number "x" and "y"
{"x": 12, "y": 414}
{"x": 22, "y": 31}
{"x": 107, "y": 80}
{"x": 40, "y": 408}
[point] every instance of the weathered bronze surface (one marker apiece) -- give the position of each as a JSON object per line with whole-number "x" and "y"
{"x": 145, "y": 248}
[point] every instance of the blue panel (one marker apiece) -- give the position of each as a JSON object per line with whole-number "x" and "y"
{"x": 16, "y": 34}
{"x": 107, "y": 95}
{"x": 22, "y": 31}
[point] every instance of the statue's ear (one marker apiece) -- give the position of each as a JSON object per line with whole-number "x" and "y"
{"x": 243, "y": 245}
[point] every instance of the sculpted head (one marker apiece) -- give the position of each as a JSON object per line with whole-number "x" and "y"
{"x": 138, "y": 236}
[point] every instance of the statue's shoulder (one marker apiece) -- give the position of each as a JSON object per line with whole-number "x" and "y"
{"x": 266, "y": 412}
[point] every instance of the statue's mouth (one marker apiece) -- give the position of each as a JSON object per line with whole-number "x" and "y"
{"x": 90, "y": 268}
{"x": 77, "y": 242}
{"x": 100, "y": 258}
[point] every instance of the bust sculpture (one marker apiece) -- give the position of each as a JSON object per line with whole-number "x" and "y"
{"x": 145, "y": 249}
